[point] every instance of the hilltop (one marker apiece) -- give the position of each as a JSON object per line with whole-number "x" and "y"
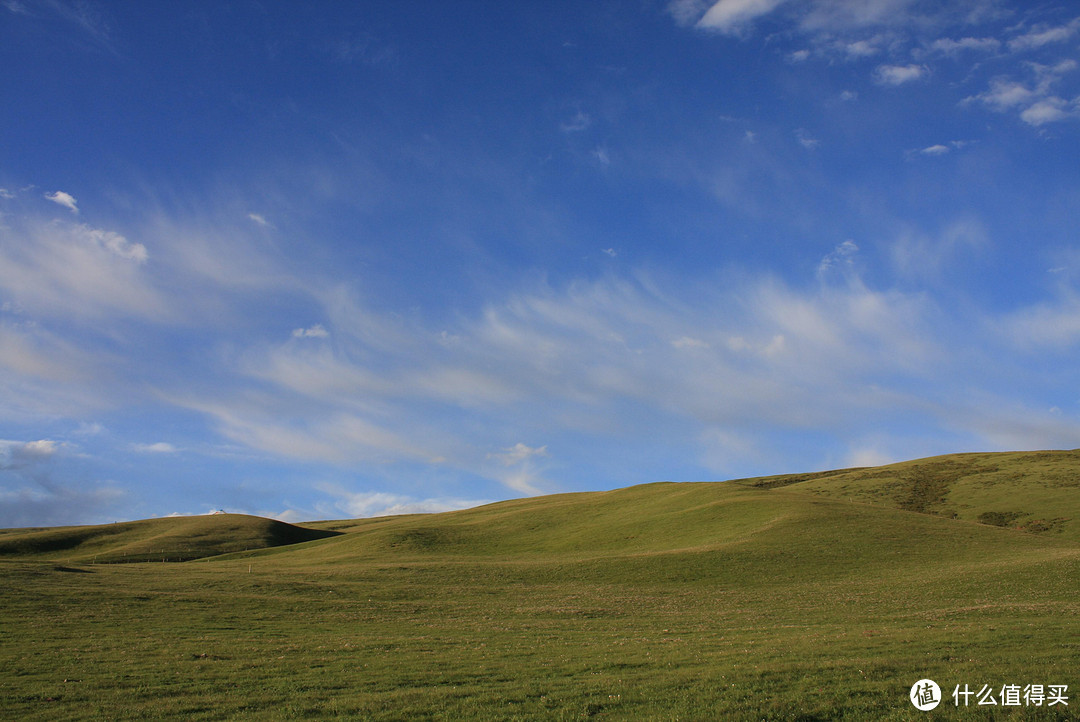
{"x": 1037, "y": 491}
{"x": 169, "y": 539}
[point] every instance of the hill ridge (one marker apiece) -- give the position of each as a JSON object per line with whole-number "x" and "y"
{"x": 1033, "y": 491}
{"x": 1036, "y": 492}
{"x": 180, "y": 538}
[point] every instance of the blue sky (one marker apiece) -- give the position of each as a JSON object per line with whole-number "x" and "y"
{"x": 344, "y": 259}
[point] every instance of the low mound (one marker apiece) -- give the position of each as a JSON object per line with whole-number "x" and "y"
{"x": 169, "y": 539}
{"x": 1037, "y": 492}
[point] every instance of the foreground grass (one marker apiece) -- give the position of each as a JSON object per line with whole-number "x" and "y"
{"x": 691, "y": 602}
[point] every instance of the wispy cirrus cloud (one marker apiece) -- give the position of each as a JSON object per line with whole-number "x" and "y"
{"x": 89, "y": 19}
{"x": 763, "y": 353}
{"x": 579, "y": 122}
{"x": 260, "y": 220}
{"x": 364, "y": 504}
{"x": 954, "y": 47}
{"x": 159, "y": 447}
{"x": 75, "y": 270}
{"x": 1043, "y": 35}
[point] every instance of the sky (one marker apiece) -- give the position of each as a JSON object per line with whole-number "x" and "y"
{"x": 335, "y": 260}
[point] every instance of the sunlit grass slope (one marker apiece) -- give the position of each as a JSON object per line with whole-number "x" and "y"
{"x": 1038, "y": 491}
{"x": 168, "y": 539}
{"x": 690, "y": 601}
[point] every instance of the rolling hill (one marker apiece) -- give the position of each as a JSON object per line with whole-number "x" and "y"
{"x": 798, "y": 597}
{"x": 1034, "y": 492}
{"x": 169, "y": 539}
{"x": 1038, "y": 491}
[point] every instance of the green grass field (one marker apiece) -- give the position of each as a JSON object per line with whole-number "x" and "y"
{"x": 809, "y": 597}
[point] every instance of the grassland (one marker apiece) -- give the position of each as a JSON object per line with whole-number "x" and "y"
{"x": 812, "y": 598}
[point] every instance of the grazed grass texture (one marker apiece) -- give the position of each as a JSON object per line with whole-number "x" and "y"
{"x": 666, "y": 601}
{"x": 1038, "y": 490}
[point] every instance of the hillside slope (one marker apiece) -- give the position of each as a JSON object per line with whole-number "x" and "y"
{"x": 687, "y": 534}
{"x": 1037, "y": 492}
{"x": 171, "y": 539}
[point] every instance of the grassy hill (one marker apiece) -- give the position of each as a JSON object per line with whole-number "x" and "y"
{"x": 1038, "y": 492}
{"x": 803, "y": 597}
{"x": 154, "y": 540}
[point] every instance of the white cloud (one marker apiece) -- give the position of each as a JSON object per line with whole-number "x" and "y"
{"x": 578, "y": 123}
{"x": 1048, "y": 110}
{"x": 316, "y": 331}
{"x": 43, "y": 374}
{"x": 805, "y": 140}
{"x": 948, "y": 46}
{"x": 518, "y": 468}
{"x": 20, "y": 454}
{"x": 518, "y": 453}
{"x": 161, "y": 447}
{"x": 860, "y": 48}
{"x": 75, "y": 271}
{"x": 899, "y": 74}
{"x": 27, "y": 350}
{"x": 1006, "y": 94}
{"x": 329, "y": 433}
{"x": 260, "y": 220}
{"x": 1037, "y": 104}
{"x": 689, "y": 342}
{"x": 687, "y": 12}
{"x": 365, "y": 504}
{"x": 1048, "y": 325}
{"x": 1015, "y": 426}
{"x": 936, "y": 149}
{"x": 731, "y": 16}
{"x": 64, "y": 199}
{"x": 925, "y": 256}
{"x": 1044, "y": 35}
{"x": 92, "y": 428}
{"x": 116, "y": 244}
{"x": 840, "y": 262}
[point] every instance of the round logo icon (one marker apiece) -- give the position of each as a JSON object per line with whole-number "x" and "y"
{"x": 925, "y": 695}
